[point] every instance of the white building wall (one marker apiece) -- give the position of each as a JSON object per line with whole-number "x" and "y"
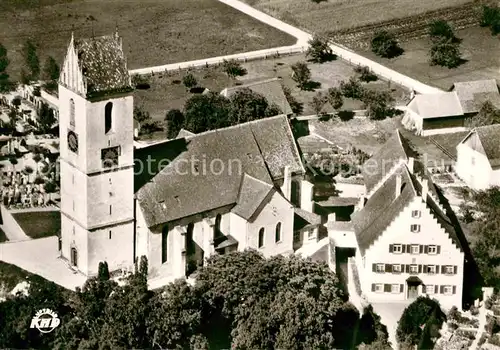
{"x": 278, "y": 209}
{"x": 431, "y": 233}
{"x": 474, "y": 168}
{"x": 238, "y": 229}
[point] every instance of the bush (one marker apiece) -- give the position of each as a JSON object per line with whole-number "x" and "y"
{"x": 189, "y": 81}
{"x": 345, "y": 115}
{"x": 491, "y": 18}
{"x": 441, "y": 30}
{"x": 301, "y": 74}
{"x": 233, "y": 68}
{"x": 319, "y": 50}
{"x": 445, "y": 54}
{"x": 295, "y": 105}
{"x": 384, "y": 44}
{"x": 39, "y": 180}
{"x": 365, "y": 74}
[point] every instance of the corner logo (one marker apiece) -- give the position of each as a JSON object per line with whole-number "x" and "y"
{"x": 45, "y": 320}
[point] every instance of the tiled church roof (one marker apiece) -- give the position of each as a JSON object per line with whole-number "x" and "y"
{"x": 177, "y": 189}
{"x": 103, "y": 64}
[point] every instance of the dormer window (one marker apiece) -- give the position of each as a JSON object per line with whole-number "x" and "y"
{"x": 415, "y": 228}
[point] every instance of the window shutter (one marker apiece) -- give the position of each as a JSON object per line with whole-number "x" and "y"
{"x": 425, "y": 268}
{"x": 454, "y": 289}
{"x": 407, "y": 268}
{"x": 387, "y": 287}
{"x": 426, "y": 249}
{"x": 408, "y": 248}
{"x": 374, "y": 267}
{"x": 419, "y": 268}
{"x": 436, "y": 289}
{"x": 373, "y": 287}
{"x": 441, "y": 289}
{"x": 391, "y": 248}
{"x": 438, "y": 249}
{"x": 401, "y": 288}
{"x": 388, "y": 268}
{"x": 443, "y": 268}
{"x": 421, "y": 249}
{"x": 403, "y": 248}
{"x": 455, "y": 268}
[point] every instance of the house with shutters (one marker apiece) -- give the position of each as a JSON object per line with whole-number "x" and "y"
{"x": 478, "y": 157}
{"x": 400, "y": 242}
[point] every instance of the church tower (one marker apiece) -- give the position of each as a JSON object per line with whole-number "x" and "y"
{"x": 96, "y": 148}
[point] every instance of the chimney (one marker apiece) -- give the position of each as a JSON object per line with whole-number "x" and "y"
{"x": 425, "y": 189}
{"x": 306, "y": 196}
{"x": 287, "y": 183}
{"x": 398, "y": 185}
{"x": 411, "y": 164}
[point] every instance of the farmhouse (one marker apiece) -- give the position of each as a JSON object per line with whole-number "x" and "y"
{"x": 448, "y": 112}
{"x": 400, "y": 243}
{"x": 271, "y": 89}
{"x": 478, "y": 157}
{"x": 175, "y": 202}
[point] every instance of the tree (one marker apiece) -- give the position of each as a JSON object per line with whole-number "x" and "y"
{"x": 51, "y": 69}
{"x": 141, "y": 116}
{"x": 319, "y": 50}
{"x": 441, "y": 30}
{"x": 31, "y": 60}
{"x": 175, "y": 122}
{"x": 233, "y": 68}
{"x": 301, "y": 74}
{"x": 379, "y": 104}
{"x": 189, "y": 81}
{"x": 206, "y": 112}
{"x": 318, "y": 103}
{"x": 46, "y": 118}
{"x": 415, "y": 317}
{"x": 247, "y": 105}
{"x": 25, "y": 78}
{"x": 4, "y": 63}
{"x": 384, "y": 44}
{"x": 488, "y": 115}
{"x": 371, "y": 332}
{"x": 335, "y": 98}
{"x": 16, "y": 101}
{"x": 491, "y": 18}
{"x": 446, "y": 54}
{"x": 295, "y": 105}
{"x": 352, "y": 88}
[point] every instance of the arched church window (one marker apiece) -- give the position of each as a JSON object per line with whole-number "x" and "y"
{"x": 164, "y": 244}
{"x": 217, "y": 226}
{"x": 277, "y": 236}
{"x": 71, "y": 112}
{"x": 261, "y": 237}
{"x": 108, "y": 118}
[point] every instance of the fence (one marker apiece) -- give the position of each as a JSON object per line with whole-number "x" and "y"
{"x": 204, "y": 63}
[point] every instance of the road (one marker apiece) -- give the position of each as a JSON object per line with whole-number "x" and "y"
{"x": 302, "y": 43}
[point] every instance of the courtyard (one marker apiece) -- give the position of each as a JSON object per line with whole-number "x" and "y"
{"x": 155, "y": 32}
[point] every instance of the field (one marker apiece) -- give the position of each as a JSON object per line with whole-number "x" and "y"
{"x": 166, "y": 91}
{"x": 332, "y": 15}
{"x": 39, "y": 224}
{"x": 476, "y": 48}
{"x": 154, "y": 32}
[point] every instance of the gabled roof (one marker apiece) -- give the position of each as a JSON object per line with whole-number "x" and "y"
{"x": 489, "y": 136}
{"x": 103, "y": 65}
{"x": 252, "y": 194}
{"x": 305, "y": 220}
{"x": 445, "y": 104}
{"x": 396, "y": 148}
{"x": 385, "y": 205}
{"x": 472, "y": 94}
{"x": 174, "y": 187}
{"x": 271, "y": 89}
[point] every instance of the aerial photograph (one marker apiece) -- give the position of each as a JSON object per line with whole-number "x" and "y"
{"x": 250, "y": 174}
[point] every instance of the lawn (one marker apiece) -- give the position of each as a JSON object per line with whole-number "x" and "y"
{"x": 154, "y": 32}
{"x": 331, "y": 15}
{"x": 477, "y": 47}
{"x": 3, "y": 237}
{"x": 39, "y": 224}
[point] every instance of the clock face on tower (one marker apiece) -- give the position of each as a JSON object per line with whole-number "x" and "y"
{"x": 72, "y": 141}
{"x": 109, "y": 156}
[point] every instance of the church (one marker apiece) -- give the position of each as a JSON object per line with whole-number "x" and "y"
{"x": 177, "y": 201}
